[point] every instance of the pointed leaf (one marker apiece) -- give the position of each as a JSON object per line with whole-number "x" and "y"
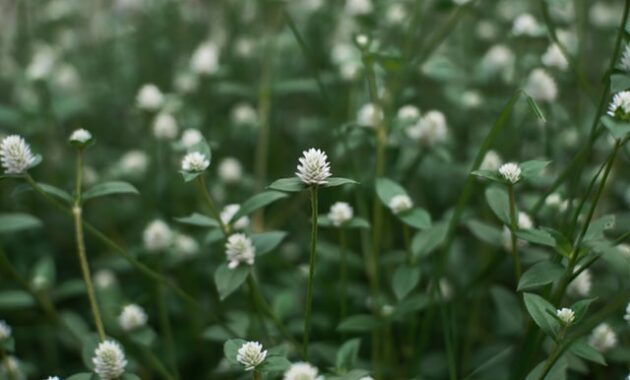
{"x": 290, "y": 185}
{"x": 416, "y": 217}
{"x": 338, "y": 181}
{"x": 498, "y": 200}
{"x": 198, "y": 220}
{"x": 109, "y": 188}
{"x": 542, "y": 273}
{"x": 405, "y": 279}
{"x": 347, "y": 355}
{"x": 256, "y": 202}
{"x": 541, "y": 312}
{"x": 386, "y": 189}
{"x": 228, "y": 280}
{"x": 267, "y": 241}
{"x": 14, "y": 222}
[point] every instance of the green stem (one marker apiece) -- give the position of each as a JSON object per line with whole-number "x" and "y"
{"x": 513, "y": 230}
{"x": 256, "y": 375}
{"x": 165, "y": 321}
{"x": 550, "y": 360}
{"x": 343, "y": 274}
{"x": 407, "y": 237}
{"x": 311, "y": 271}
{"x": 203, "y": 190}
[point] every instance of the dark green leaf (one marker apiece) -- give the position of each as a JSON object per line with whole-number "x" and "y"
{"x": 557, "y": 372}
{"x": 89, "y": 344}
{"x": 290, "y": 185}
{"x": 338, "y": 181}
{"x": 386, "y": 189}
{"x": 531, "y": 169}
{"x": 189, "y": 176}
{"x": 15, "y": 299}
{"x": 509, "y": 315}
{"x": 228, "y": 280}
{"x": 541, "y": 312}
{"x": 617, "y": 128}
{"x": 267, "y": 241}
{"x": 256, "y": 202}
{"x": 619, "y": 82}
{"x": 274, "y": 363}
{"x": 83, "y": 376}
{"x": 426, "y": 241}
{"x": 585, "y": 351}
{"x": 416, "y": 217}
{"x": 109, "y": 188}
{"x": 491, "y": 175}
{"x": 358, "y": 323}
{"x": 230, "y": 349}
{"x": 405, "y": 280}
{"x": 347, "y": 355}
{"x": 55, "y": 191}
{"x": 14, "y": 222}
{"x": 485, "y": 232}
{"x": 199, "y": 220}
{"x": 499, "y": 202}
{"x": 581, "y": 307}
{"x": 537, "y": 237}
{"x": 542, "y": 273}
{"x": 533, "y": 106}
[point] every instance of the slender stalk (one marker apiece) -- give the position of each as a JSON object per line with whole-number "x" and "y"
{"x": 407, "y": 237}
{"x": 203, "y": 190}
{"x": 165, "y": 321}
{"x": 343, "y": 274}
{"x": 513, "y": 229}
{"x": 311, "y": 271}
{"x": 256, "y": 375}
{"x": 85, "y": 268}
{"x": 550, "y": 362}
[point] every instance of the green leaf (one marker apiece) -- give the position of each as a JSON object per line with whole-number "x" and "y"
{"x": 290, "y": 185}
{"x": 485, "y": 232}
{"x": 15, "y": 299}
{"x": 416, "y": 217}
{"x": 198, "y": 220}
{"x": 617, "y": 128}
{"x": 542, "y": 273}
{"x": 55, "y": 191}
{"x": 7, "y": 344}
{"x": 358, "y": 323}
{"x": 109, "y": 188}
{"x": 348, "y": 354}
{"x": 581, "y": 307}
{"x": 557, "y": 372}
{"x": 274, "y": 363}
{"x": 230, "y": 349}
{"x": 338, "y": 181}
{"x": 499, "y": 202}
{"x": 537, "y": 237}
{"x": 405, "y": 280}
{"x": 267, "y": 241}
{"x": 89, "y": 344}
{"x": 357, "y": 222}
{"x": 83, "y": 376}
{"x": 541, "y": 312}
{"x": 203, "y": 148}
{"x": 14, "y": 222}
{"x": 531, "y": 169}
{"x": 256, "y": 202}
{"x": 585, "y": 351}
{"x": 509, "y": 315}
{"x": 228, "y": 280}
{"x": 428, "y": 240}
{"x": 189, "y": 176}
{"x": 491, "y": 175}
{"x": 144, "y": 336}
{"x": 597, "y": 227}
{"x": 386, "y": 189}
{"x": 129, "y": 376}
{"x": 619, "y": 82}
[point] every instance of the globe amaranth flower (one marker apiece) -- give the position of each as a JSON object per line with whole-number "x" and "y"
{"x": 228, "y": 212}
{"x": 620, "y": 106}
{"x": 525, "y": 25}
{"x": 109, "y": 360}
{"x": 244, "y": 114}
{"x": 132, "y": 317}
{"x": 150, "y": 98}
{"x": 157, "y": 236}
{"x": 251, "y": 355}
{"x": 15, "y": 155}
{"x": 5, "y": 330}
{"x": 104, "y": 278}
{"x": 195, "y": 162}
{"x": 230, "y": 170}
{"x": 554, "y": 57}
{"x": 134, "y": 163}
{"x": 205, "y": 60}
{"x": 358, "y": 7}
{"x": 340, "y": 213}
{"x": 408, "y": 114}
{"x": 541, "y": 86}
{"x": 369, "y": 115}
{"x": 566, "y": 315}
{"x": 581, "y": 285}
{"x": 80, "y": 137}
{"x": 511, "y": 172}
{"x": 239, "y": 249}
{"x": 497, "y": 58}
{"x": 314, "y": 167}
{"x": 367, "y": 378}
{"x": 431, "y": 129}
{"x": 400, "y": 203}
{"x": 52, "y": 378}
{"x": 624, "y": 63}
{"x": 190, "y": 137}
{"x": 165, "y": 126}
{"x": 185, "y": 245}
{"x": 603, "y": 338}
{"x": 301, "y": 371}
{"x": 491, "y": 161}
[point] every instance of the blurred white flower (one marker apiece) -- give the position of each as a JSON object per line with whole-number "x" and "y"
{"x": 581, "y": 285}
{"x": 620, "y": 105}
{"x": 555, "y": 200}
{"x": 190, "y": 137}
{"x": 498, "y": 58}
{"x": 445, "y": 288}
{"x": 230, "y": 170}
{"x": 491, "y": 161}
{"x": 524, "y": 223}
{"x": 205, "y": 60}
{"x": 314, "y": 167}
{"x": 239, "y": 249}
{"x": 244, "y": 47}
{"x": 400, "y": 203}
{"x": 526, "y": 25}
{"x": 104, "y": 278}
{"x": 408, "y": 114}
{"x": 15, "y": 155}
{"x": 340, "y": 213}
{"x": 165, "y": 127}
{"x": 486, "y": 30}
{"x": 627, "y": 316}
{"x": 362, "y": 40}
{"x": 185, "y": 245}
{"x": 132, "y": 317}
{"x": 251, "y": 355}
{"x": 624, "y": 62}
{"x": 157, "y": 236}
{"x": 5, "y": 330}
{"x": 605, "y": 15}
{"x": 430, "y": 130}
{"x": 566, "y": 315}
{"x": 228, "y": 212}
{"x": 541, "y": 86}
{"x": 109, "y": 360}
{"x": 66, "y": 77}
{"x": 42, "y": 64}
{"x": 244, "y": 114}
{"x": 461, "y": 2}
{"x": 369, "y": 115}
{"x": 80, "y": 136}
{"x": 553, "y": 57}
{"x": 471, "y": 99}
{"x": 367, "y": 378}
{"x": 195, "y": 162}
{"x": 511, "y": 172}
{"x": 603, "y": 338}
{"x": 186, "y": 82}
{"x": 358, "y": 7}
{"x": 149, "y": 98}
{"x": 52, "y": 378}
{"x": 396, "y": 13}
{"x": 301, "y": 371}
{"x": 134, "y": 162}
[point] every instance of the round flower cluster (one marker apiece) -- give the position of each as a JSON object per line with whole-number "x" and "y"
{"x": 511, "y": 172}
{"x": 228, "y": 212}
{"x": 109, "y": 360}
{"x": 157, "y": 236}
{"x": 541, "y": 86}
{"x": 314, "y": 167}
{"x": 620, "y": 106}
{"x": 340, "y": 213}
{"x": 5, "y": 330}
{"x": 566, "y": 315}
{"x": 80, "y": 136}
{"x": 150, "y": 98}
{"x": 239, "y": 249}
{"x": 251, "y": 355}
{"x": 301, "y": 371}
{"x": 165, "y": 126}
{"x": 400, "y": 203}
{"x": 581, "y": 285}
{"x": 15, "y": 155}
{"x": 603, "y": 338}
{"x": 431, "y": 129}
{"x": 195, "y": 162}
{"x": 369, "y": 115}
{"x": 132, "y": 317}
{"x": 230, "y": 170}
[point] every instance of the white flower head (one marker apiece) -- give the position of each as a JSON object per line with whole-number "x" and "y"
{"x": 566, "y": 315}
{"x": 555, "y": 200}
{"x": 195, "y": 162}
{"x": 80, "y": 137}
{"x": 251, "y": 355}
{"x": 205, "y": 60}
{"x": 541, "y": 86}
{"x": 358, "y": 7}
{"x": 239, "y": 249}
{"x": 301, "y": 371}
{"x": 165, "y": 127}
{"x": 491, "y": 161}
{"x": 554, "y": 57}
{"x": 244, "y": 114}
{"x": 185, "y": 245}
{"x": 191, "y": 137}
{"x": 5, "y": 330}
{"x": 314, "y": 167}
{"x": 581, "y": 285}
{"x": 15, "y": 155}
{"x": 363, "y": 41}
{"x": 134, "y": 163}
{"x": 157, "y": 236}
{"x": 400, "y": 203}
{"x": 396, "y": 13}
{"x": 132, "y": 317}
{"x": 228, "y": 212}
{"x": 525, "y": 25}
{"x": 230, "y": 170}
{"x": 472, "y": 99}
{"x": 497, "y": 58}
{"x": 620, "y": 106}
{"x": 603, "y": 338}
{"x": 150, "y": 98}
{"x": 627, "y": 316}
{"x": 52, "y": 378}
{"x": 104, "y": 278}
{"x": 511, "y": 172}
{"x": 369, "y": 115}
{"x": 109, "y": 360}
{"x": 408, "y": 114}
{"x": 340, "y": 213}
{"x": 430, "y": 130}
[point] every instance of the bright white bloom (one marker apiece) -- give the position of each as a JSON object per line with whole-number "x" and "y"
{"x": 553, "y": 57}
{"x": 109, "y": 360}
{"x": 15, "y": 155}
{"x": 314, "y": 167}
{"x": 150, "y": 98}
{"x": 230, "y": 170}
{"x": 541, "y": 86}
{"x": 52, "y": 378}
{"x": 511, "y": 172}
{"x": 80, "y": 136}
{"x": 250, "y": 355}
{"x": 340, "y": 212}
{"x": 400, "y": 203}
{"x": 566, "y": 315}
{"x": 358, "y": 7}
{"x": 5, "y": 330}
{"x": 491, "y": 161}
{"x": 525, "y": 25}
{"x": 67, "y": 78}
{"x": 239, "y": 249}
{"x": 205, "y": 60}
{"x": 627, "y": 316}
{"x": 157, "y": 236}
{"x": 165, "y": 127}
{"x": 461, "y": 2}
{"x": 42, "y": 64}
{"x": 228, "y": 212}
{"x": 244, "y": 114}
{"x": 625, "y": 250}
{"x": 396, "y": 13}
{"x": 134, "y": 162}
{"x": 486, "y": 30}
{"x": 195, "y": 162}
{"x": 497, "y": 58}
{"x": 190, "y": 137}
{"x": 581, "y": 285}
{"x": 362, "y": 40}
{"x": 431, "y": 129}
{"x": 620, "y": 105}
{"x": 301, "y": 371}
{"x": 624, "y": 63}
{"x": 132, "y": 317}
{"x": 369, "y": 115}
{"x": 603, "y": 338}
{"x": 244, "y": 47}
{"x": 185, "y": 245}
{"x": 104, "y": 278}
{"x": 408, "y": 114}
